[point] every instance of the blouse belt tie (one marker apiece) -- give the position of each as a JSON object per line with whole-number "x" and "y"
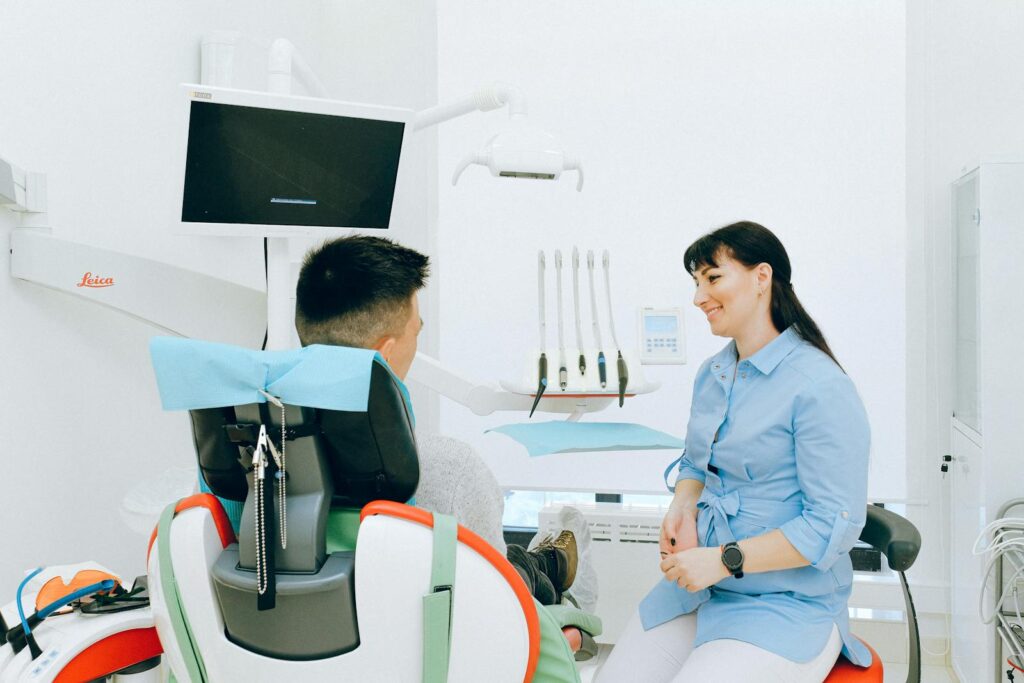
{"x": 763, "y": 512}
{"x": 722, "y": 507}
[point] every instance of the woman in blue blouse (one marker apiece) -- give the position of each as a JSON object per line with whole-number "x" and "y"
{"x": 771, "y": 492}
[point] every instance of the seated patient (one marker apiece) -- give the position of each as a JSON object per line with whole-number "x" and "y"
{"x": 361, "y": 291}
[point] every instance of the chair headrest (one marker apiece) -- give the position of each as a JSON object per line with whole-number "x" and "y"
{"x": 355, "y": 410}
{"x": 193, "y": 374}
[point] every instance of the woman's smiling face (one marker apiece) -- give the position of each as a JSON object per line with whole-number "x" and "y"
{"x": 728, "y": 293}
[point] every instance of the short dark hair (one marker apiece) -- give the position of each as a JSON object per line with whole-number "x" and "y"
{"x": 354, "y": 290}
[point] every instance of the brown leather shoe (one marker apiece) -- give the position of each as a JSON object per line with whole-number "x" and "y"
{"x": 560, "y": 557}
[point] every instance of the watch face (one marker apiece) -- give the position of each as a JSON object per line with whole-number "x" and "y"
{"x": 732, "y": 558}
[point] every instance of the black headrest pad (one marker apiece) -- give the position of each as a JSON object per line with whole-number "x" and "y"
{"x": 371, "y": 455}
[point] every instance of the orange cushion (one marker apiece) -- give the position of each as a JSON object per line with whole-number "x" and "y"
{"x": 111, "y": 654}
{"x": 846, "y": 672}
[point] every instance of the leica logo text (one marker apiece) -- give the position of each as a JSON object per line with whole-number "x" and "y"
{"x": 90, "y": 280}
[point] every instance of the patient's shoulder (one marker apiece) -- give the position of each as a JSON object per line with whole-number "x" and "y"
{"x": 445, "y": 456}
{"x": 433, "y": 441}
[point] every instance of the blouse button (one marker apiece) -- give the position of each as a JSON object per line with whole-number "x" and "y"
{"x": 721, "y": 376}
{"x": 846, "y": 515}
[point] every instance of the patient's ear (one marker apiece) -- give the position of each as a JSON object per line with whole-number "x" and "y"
{"x": 385, "y": 346}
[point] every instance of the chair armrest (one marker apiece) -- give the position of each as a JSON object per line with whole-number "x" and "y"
{"x": 893, "y": 536}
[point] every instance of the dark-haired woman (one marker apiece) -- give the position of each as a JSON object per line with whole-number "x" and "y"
{"x": 771, "y": 492}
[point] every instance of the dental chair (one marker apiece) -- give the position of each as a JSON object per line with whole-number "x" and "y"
{"x": 899, "y": 541}
{"x": 56, "y": 637}
{"x": 416, "y": 598}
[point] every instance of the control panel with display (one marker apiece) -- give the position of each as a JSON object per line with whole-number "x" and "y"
{"x": 662, "y": 338}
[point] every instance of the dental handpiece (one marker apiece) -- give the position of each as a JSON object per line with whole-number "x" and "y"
{"x": 602, "y": 372}
{"x": 620, "y": 362}
{"x": 542, "y": 365}
{"x": 563, "y": 375}
{"x": 576, "y": 308}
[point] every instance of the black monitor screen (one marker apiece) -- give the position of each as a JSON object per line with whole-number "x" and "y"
{"x": 274, "y": 167}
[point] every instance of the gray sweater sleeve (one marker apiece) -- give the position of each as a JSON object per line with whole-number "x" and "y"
{"x": 455, "y": 481}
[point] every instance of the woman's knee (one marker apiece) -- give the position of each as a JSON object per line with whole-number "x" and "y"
{"x": 652, "y": 656}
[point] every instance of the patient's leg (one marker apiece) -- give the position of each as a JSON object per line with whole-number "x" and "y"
{"x": 455, "y": 481}
{"x": 531, "y": 568}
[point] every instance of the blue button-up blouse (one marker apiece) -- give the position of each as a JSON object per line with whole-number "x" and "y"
{"x": 780, "y": 441}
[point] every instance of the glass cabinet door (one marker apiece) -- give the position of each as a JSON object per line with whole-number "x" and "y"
{"x": 967, "y": 406}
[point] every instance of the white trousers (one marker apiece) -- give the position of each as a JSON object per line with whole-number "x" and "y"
{"x": 665, "y": 654}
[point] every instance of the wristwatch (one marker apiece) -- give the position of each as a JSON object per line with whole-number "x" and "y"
{"x": 732, "y": 558}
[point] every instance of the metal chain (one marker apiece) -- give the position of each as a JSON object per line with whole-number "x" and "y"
{"x": 259, "y": 469}
{"x": 283, "y": 486}
{"x": 259, "y": 463}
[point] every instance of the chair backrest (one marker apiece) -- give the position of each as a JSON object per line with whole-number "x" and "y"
{"x": 495, "y": 632}
{"x": 333, "y": 459}
{"x": 342, "y": 430}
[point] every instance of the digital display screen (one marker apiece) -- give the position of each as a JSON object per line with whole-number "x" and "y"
{"x": 271, "y": 167}
{"x": 660, "y": 324}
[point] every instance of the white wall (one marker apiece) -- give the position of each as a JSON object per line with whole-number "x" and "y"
{"x": 965, "y": 102}
{"x": 87, "y": 95}
{"x": 687, "y": 116}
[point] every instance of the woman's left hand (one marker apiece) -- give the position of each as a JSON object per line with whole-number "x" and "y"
{"x": 695, "y": 569}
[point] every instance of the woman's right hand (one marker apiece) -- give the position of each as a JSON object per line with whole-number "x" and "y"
{"x": 678, "y": 529}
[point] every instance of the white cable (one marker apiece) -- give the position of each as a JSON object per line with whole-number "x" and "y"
{"x": 1007, "y": 536}
{"x": 576, "y": 297}
{"x": 593, "y": 299}
{"x": 562, "y": 374}
{"x": 608, "y": 289}
{"x": 1016, "y": 648}
{"x": 1005, "y": 524}
{"x": 540, "y": 294}
{"x": 946, "y": 617}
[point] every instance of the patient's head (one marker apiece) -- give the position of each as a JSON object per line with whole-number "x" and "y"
{"x": 361, "y": 291}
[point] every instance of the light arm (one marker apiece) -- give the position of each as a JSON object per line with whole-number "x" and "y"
{"x": 485, "y": 99}
{"x": 286, "y": 61}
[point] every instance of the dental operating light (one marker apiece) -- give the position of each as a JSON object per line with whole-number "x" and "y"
{"x": 521, "y": 151}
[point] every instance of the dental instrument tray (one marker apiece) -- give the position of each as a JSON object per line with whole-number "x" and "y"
{"x": 578, "y": 386}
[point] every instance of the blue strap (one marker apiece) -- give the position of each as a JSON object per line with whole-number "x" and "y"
{"x": 668, "y": 470}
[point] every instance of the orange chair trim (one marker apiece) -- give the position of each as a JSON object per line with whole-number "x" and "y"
{"x": 220, "y": 518}
{"x": 846, "y": 671}
{"x": 467, "y": 537}
{"x": 111, "y": 654}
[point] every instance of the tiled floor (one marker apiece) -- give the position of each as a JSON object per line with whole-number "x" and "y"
{"x": 894, "y": 672}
